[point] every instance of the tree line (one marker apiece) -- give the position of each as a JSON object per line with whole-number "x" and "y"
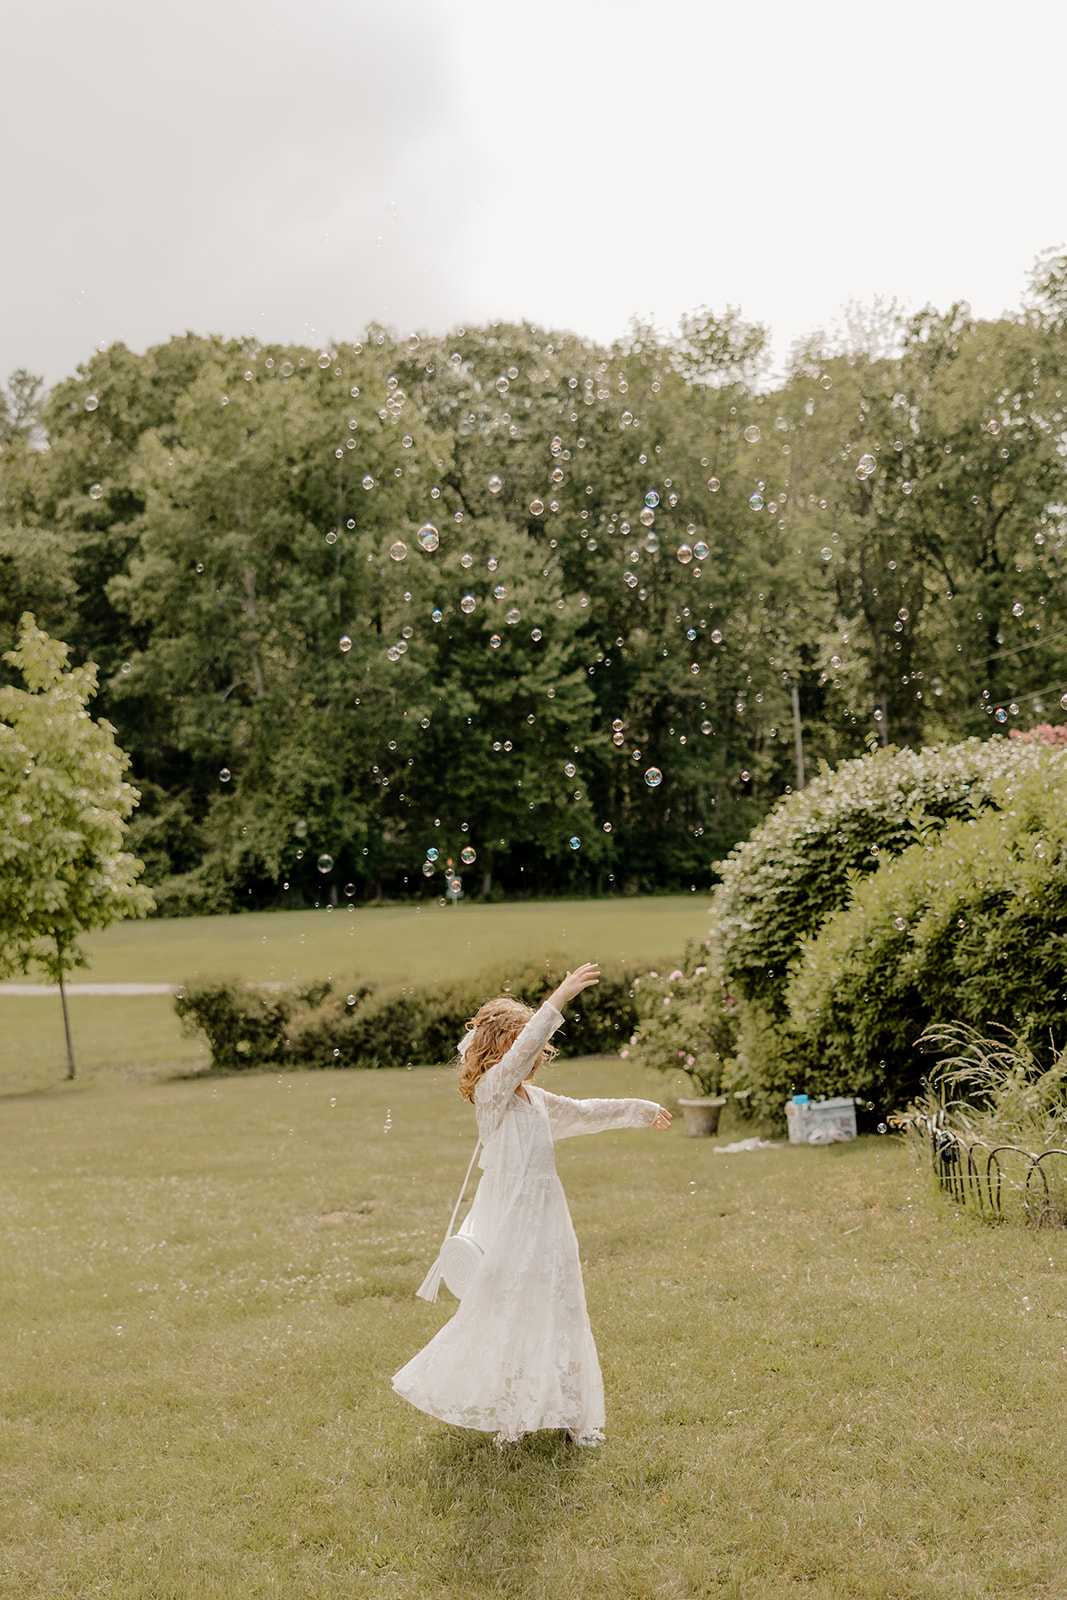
{"x": 547, "y": 610}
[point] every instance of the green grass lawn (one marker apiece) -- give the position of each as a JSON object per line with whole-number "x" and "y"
{"x": 132, "y": 1036}
{"x": 821, "y": 1380}
{"x": 424, "y": 941}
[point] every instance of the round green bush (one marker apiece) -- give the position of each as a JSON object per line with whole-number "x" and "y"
{"x": 968, "y": 925}
{"x": 796, "y": 868}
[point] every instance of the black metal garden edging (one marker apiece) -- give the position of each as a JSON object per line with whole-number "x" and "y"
{"x": 995, "y": 1180}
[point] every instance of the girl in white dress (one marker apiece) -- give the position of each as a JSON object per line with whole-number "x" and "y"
{"x": 519, "y": 1353}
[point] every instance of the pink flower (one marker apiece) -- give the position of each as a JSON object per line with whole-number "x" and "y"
{"x": 675, "y": 975}
{"x": 667, "y": 1000}
{"x": 690, "y": 1061}
{"x": 699, "y": 972}
{"x": 633, "y": 1038}
{"x": 623, "y": 1054}
{"x": 653, "y": 974}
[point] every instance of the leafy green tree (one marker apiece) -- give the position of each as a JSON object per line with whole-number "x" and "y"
{"x": 63, "y": 809}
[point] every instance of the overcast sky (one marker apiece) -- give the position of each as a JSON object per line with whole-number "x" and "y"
{"x": 296, "y": 169}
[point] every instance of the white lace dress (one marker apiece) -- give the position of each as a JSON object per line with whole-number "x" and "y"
{"x": 519, "y": 1352}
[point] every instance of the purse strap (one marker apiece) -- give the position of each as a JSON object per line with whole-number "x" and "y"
{"x": 462, "y": 1192}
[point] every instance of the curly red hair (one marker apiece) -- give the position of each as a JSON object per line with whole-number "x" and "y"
{"x": 492, "y": 1031}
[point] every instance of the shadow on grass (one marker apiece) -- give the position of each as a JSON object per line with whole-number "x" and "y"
{"x": 495, "y": 1508}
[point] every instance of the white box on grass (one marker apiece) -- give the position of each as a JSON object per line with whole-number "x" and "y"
{"x": 821, "y": 1121}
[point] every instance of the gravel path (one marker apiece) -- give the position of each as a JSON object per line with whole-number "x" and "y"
{"x": 87, "y": 988}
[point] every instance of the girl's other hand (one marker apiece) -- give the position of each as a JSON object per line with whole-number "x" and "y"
{"x": 663, "y": 1118}
{"x": 582, "y": 977}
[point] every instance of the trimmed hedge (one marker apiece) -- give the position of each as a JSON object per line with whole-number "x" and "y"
{"x": 328, "y": 1025}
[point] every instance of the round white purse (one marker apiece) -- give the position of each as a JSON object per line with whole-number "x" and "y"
{"x": 461, "y": 1256}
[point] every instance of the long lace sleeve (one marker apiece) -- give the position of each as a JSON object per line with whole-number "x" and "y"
{"x": 567, "y": 1118}
{"x": 494, "y": 1091}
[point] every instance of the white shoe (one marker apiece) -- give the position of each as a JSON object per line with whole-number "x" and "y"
{"x": 588, "y": 1438}
{"x": 503, "y": 1438}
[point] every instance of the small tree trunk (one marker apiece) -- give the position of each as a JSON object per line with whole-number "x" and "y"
{"x": 66, "y": 1017}
{"x": 798, "y": 738}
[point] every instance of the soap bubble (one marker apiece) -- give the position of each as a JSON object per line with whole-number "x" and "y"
{"x": 345, "y": 643}
{"x": 626, "y": 418}
{"x": 906, "y": 487}
{"x": 468, "y": 855}
{"x": 570, "y": 769}
{"x": 865, "y": 466}
{"x": 499, "y": 592}
{"x": 331, "y": 537}
{"x": 286, "y": 369}
{"x": 1000, "y": 714}
{"x": 716, "y": 636}
{"x": 536, "y": 635}
{"x": 324, "y": 361}
{"x": 513, "y": 616}
{"x": 325, "y": 864}
{"x": 685, "y": 554}
{"x": 826, "y": 553}
{"x": 225, "y": 775}
{"x": 899, "y": 924}
{"x": 826, "y": 381}
{"x": 617, "y": 725}
{"x": 882, "y": 1128}
{"x": 537, "y": 508}
{"x": 713, "y": 485}
{"x": 1017, "y": 609}
{"x": 502, "y": 385}
{"x": 428, "y": 536}
{"x": 1063, "y": 702}
{"x": 574, "y": 842}
{"x": 399, "y": 550}
{"x": 91, "y": 402}
{"x": 705, "y": 726}
{"x": 367, "y": 481}
{"x": 700, "y": 550}
{"x": 651, "y": 543}
{"x": 496, "y": 483}
{"x": 466, "y": 560}
{"x": 557, "y": 475}
{"x": 752, "y": 433}
{"x": 427, "y": 869}
{"x": 436, "y": 615}
{"x": 652, "y": 499}
{"x": 349, "y": 890}
{"x": 992, "y": 426}
{"x": 647, "y": 517}
{"x": 653, "y": 777}
{"x": 393, "y": 653}
{"x": 96, "y": 491}
{"x": 756, "y": 501}
{"x": 494, "y": 642}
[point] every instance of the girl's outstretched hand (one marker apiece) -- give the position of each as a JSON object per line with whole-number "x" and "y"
{"x": 663, "y": 1118}
{"x": 582, "y": 977}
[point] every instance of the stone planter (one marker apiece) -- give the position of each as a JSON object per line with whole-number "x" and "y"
{"x": 702, "y": 1116}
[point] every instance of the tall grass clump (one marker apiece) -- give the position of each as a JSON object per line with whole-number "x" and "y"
{"x": 996, "y": 1090}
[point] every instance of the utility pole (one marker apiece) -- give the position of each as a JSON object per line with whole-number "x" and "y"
{"x": 797, "y": 739}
